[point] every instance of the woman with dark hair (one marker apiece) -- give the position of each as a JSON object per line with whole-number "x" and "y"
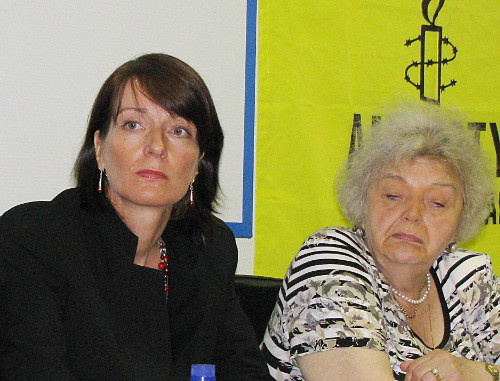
{"x": 129, "y": 275}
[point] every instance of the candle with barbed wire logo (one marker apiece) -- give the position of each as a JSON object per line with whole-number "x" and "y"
{"x": 431, "y": 56}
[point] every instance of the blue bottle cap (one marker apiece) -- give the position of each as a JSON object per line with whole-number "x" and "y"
{"x": 203, "y": 372}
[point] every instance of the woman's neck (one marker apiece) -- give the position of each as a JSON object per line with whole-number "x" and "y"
{"x": 429, "y": 322}
{"x": 405, "y": 278}
{"x": 147, "y": 223}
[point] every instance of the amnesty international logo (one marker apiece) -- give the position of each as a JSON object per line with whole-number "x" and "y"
{"x": 431, "y": 56}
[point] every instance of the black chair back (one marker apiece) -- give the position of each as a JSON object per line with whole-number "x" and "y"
{"x": 257, "y": 296}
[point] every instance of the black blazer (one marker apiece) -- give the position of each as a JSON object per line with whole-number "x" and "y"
{"x": 74, "y": 306}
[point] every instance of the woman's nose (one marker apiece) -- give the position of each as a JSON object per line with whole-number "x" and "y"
{"x": 413, "y": 211}
{"x": 155, "y": 143}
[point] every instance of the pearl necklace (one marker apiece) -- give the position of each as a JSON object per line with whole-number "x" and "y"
{"x": 415, "y": 301}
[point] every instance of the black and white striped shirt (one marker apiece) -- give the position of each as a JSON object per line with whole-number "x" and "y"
{"x": 334, "y": 296}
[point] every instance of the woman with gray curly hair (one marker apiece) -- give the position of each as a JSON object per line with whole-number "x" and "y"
{"x": 395, "y": 298}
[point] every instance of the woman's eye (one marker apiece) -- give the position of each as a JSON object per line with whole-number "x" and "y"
{"x": 438, "y": 204}
{"x": 180, "y": 131}
{"x": 131, "y": 125}
{"x": 391, "y": 196}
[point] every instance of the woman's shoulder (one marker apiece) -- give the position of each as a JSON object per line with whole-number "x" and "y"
{"x": 329, "y": 233}
{"x": 220, "y": 236}
{"x": 463, "y": 260}
{"x": 463, "y": 268}
{"x": 220, "y": 227}
{"x": 334, "y": 240}
{"x": 332, "y": 252}
{"x": 39, "y": 214}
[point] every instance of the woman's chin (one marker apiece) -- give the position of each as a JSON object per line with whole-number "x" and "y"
{"x": 152, "y": 199}
{"x": 406, "y": 254}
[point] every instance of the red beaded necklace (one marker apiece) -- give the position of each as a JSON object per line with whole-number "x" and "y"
{"x": 163, "y": 265}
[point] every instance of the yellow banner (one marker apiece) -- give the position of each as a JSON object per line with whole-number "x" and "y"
{"x": 325, "y": 66}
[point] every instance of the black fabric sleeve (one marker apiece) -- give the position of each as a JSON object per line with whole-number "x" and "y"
{"x": 32, "y": 343}
{"x": 239, "y": 357}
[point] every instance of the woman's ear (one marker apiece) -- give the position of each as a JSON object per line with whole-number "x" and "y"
{"x": 97, "y": 148}
{"x": 200, "y": 158}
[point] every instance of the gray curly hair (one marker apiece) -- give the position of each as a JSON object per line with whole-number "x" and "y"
{"x": 410, "y": 132}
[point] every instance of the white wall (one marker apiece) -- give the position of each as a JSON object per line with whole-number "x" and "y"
{"x": 54, "y": 56}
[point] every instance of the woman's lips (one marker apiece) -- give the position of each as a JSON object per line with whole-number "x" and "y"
{"x": 150, "y": 174}
{"x": 407, "y": 237}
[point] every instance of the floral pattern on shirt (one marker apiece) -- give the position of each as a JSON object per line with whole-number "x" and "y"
{"x": 333, "y": 296}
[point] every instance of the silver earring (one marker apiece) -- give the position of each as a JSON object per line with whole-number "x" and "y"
{"x": 99, "y": 186}
{"x": 453, "y": 246}
{"x": 191, "y": 194}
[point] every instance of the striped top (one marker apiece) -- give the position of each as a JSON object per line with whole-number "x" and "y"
{"x": 333, "y": 296}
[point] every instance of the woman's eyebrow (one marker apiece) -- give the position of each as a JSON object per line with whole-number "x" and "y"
{"x": 392, "y": 177}
{"x": 401, "y": 178}
{"x": 454, "y": 188}
{"x": 138, "y": 109}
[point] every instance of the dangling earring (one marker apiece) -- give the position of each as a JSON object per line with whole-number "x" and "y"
{"x": 191, "y": 194}
{"x": 99, "y": 186}
{"x": 453, "y": 246}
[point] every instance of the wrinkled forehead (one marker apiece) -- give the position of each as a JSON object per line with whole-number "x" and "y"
{"x": 405, "y": 164}
{"x": 423, "y": 169}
